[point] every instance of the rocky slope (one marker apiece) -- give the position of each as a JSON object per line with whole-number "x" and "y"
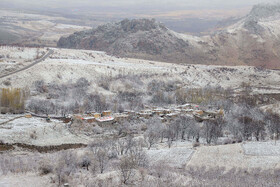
{"x": 142, "y": 38}
{"x": 254, "y": 40}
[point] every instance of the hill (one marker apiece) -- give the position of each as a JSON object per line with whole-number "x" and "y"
{"x": 253, "y": 40}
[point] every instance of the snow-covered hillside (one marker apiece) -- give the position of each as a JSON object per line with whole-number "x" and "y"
{"x": 69, "y": 65}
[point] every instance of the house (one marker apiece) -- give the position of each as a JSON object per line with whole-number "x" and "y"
{"x": 106, "y": 113}
{"x": 28, "y": 116}
{"x": 172, "y": 115}
{"x": 89, "y": 119}
{"x": 130, "y": 112}
{"x": 185, "y": 106}
{"x": 107, "y": 120}
{"x": 120, "y": 117}
{"x": 97, "y": 115}
{"x": 200, "y": 115}
{"x": 167, "y": 111}
{"x": 198, "y": 112}
{"x": 145, "y": 113}
{"x": 158, "y": 111}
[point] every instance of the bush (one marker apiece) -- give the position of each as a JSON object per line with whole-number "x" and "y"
{"x": 45, "y": 168}
{"x": 40, "y": 86}
{"x": 33, "y": 135}
{"x": 196, "y": 144}
{"x": 7, "y": 83}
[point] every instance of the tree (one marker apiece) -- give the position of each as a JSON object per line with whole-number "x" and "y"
{"x": 273, "y": 122}
{"x": 102, "y": 159}
{"x": 152, "y": 135}
{"x": 86, "y": 162}
{"x": 212, "y": 129}
{"x": 13, "y": 99}
{"x": 65, "y": 166}
{"x": 126, "y": 168}
{"x": 100, "y": 153}
{"x": 185, "y": 125}
{"x": 247, "y": 126}
{"x": 259, "y": 129}
{"x": 170, "y": 135}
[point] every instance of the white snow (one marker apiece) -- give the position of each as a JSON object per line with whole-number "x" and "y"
{"x": 53, "y": 133}
{"x": 73, "y": 64}
{"x": 262, "y": 148}
{"x": 230, "y": 156}
{"x": 67, "y": 26}
{"x": 176, "y": 156}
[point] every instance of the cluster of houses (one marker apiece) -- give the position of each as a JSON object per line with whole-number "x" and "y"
{"x": 166, "y": 114}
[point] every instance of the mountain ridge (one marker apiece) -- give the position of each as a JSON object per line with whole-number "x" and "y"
{"x": 251, "y": 41}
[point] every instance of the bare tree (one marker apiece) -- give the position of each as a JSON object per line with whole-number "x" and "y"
{"x": 152, "y": 134}
{"x": 170, "y": 135}
{"x": 212, "y": 129}
{"x": 100, "y": 153}
{"x": 102, "y": 159}
{"x": 127, "y": 166}
{"x": 151, "y": 137}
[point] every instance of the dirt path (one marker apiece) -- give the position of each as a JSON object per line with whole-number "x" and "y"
{"x": 5, "y": 122}
{"x": 50, "y": 52}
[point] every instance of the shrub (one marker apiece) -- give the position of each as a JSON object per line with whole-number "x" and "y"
{"x": 7, "y": 83}
{"x": 45, "y": 168}
{"x": 33, "y": 135}
{"x": 196, "y": 144}
{"x": 40, "y": 86}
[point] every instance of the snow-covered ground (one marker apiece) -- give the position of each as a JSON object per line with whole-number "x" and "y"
{"x": 230, "y": 156}
{"x": 53, "y": 133}
{"x": 174, "y": 156}
{"x": 69, "y": 65}
{"x": 262, "y": 148}
{"x": 23, "y": 180}
{"x": 20, "y": 53}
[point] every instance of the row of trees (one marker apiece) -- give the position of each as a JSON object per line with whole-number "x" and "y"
{"x": 132, "y": 93}
{"x": 238, "y": 124}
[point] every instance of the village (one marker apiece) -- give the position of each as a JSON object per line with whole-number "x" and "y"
{"x": 166, "y": 114}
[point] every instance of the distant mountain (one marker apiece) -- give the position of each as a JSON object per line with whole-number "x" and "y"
{"x": 253, "y": 40}
{"x": 138, "y": 38}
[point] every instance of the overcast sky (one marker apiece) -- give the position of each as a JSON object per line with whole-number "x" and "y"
{"x": 186, "y": 4}
{"x": 139, "y": 7}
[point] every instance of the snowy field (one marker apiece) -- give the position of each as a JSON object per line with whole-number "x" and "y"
{"x": 4, "y": 118}
{"x": 262, "y": 148}
{"x": 231, "y": 156}
{"x": 23, "y": 180}
{"x": 174, "y": 156}
{"x": 20, "y": 53}
{"x": 37, "y": 131}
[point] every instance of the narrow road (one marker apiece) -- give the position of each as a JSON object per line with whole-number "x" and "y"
{"x": 50, "y": 52}
{"x": 5, "y": 122}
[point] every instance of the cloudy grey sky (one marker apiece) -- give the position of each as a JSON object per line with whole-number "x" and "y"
{"x": 164, "y": 8}
{"x": 182, "y": 4}
{"x": 181, "y": 15}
